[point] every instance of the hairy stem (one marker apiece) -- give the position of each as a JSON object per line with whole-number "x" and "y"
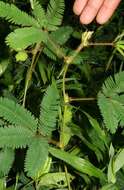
{"x": 101, "y": 44}
{"x": 68, "y": 62}
{"x": 81, "y": 99}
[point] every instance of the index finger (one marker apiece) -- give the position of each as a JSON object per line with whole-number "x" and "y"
{"x": 107, "y": 10}
{"x": 79, "y": 6}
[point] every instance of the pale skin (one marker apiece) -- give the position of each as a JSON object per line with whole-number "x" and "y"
{"x": 101, "y": 10}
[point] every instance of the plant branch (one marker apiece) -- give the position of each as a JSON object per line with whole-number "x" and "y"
{"x": 81, "y": 99}
{"x": 68, "y": 61}
{"x": 31, "y": 69}
{"x": 110, "y": 60}
{"x": 53, "y": 142}
{"x": 101, "y": 44}
{"x": 67, "y": 178}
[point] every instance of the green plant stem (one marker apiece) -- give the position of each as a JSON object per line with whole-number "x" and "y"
{"x": 29, "y": 183}
{"x": 63, "y": 81}
{"x": 30, "y": 70}
{"x": 53, "y": 142}
{"x": 61, "y": 145}
{"x": 101, "y": 44}
{"x": 118, "y": 38}
{"x": 71, "y": 58}
{"x": 62, "y": 127}
{"x": 81, "y": 99}
{"x": 16, "y": 184}
{"x": 68, "y": 61}
{"x": 110, "y": 60}
{"x": 67, "y": 178}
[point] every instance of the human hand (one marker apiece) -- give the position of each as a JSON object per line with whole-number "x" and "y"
{"x": 88, "y": 10}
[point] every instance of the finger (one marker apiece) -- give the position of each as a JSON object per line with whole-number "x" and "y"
{"x": 79, "y": 6}
{"x": 90, "y": 11}
{"x": 107, "y": 10}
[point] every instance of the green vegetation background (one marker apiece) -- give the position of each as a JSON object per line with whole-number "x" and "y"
{"x": 86, "y": 134}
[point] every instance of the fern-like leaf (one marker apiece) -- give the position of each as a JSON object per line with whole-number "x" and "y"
{"x": 55, "y": 12}
{"x": 49, "y": 54}
{"x": 114, "y": 85}
{"x": 15, "y": 137}
{"x": 108, "y": 113}
{"x": 23, "y": 37}
{"x": 111, "y": 101}
{"x": 16, "y": 114}
{"x": 16, "y": 16}
{"x": 50, "y": 50}
{"x": 39, "y": 14}
{"x": 65, "y": 33}
{"x": 49, "y": 110}
{"x": 6, "y": 161}
{"x": 36, "y": 157}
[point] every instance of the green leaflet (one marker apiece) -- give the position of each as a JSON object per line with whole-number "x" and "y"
{"x": 111, "y": 100}
{"x": 108, "y": 112}
{"x": 50, "y": 50}
{"x": 115, "y": 164}
{"x": 120, "y": 179}
{"x": 46, "y": 167}
{"x": 98, "y": 137}
{"x": 16, "y": 114}
{"x": 120, "y": 47}
{"x": 49, "y": 110}
{"x": 114, "y": 85}
{"x": 50, "y": 54}
{"x": 77, "y": 131}
{"x": 39, "y": 13}
{"x": 15, "y": 137}
{"x": 54, "y": 14}
{"x": 80, "y": 164}
{"x": 42, "y": 66}
{"x": 111, "y": 172}
{"x": 98, "y": 144}
{"x": 16, "y": 16}
{"x": 2, "y": 184}
{"x": 119, "y": 160}
{"x": 109, "y": 187}
{"x": 23, "y": 37}
{"x": 97, "y": 128}
{"x": 6, "y": 161}
{"x": 65, "y": 33}
{"x": 66, "y": 132}
{"x": 55, "y": 180}
{"x": 36, "y": 157}
{"x": 3, "y": 66}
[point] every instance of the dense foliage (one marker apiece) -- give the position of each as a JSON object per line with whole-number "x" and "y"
{"x": 62, "y": 98}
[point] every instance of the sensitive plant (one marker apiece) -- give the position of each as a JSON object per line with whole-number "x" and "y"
{"x": 62, "y": 144}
